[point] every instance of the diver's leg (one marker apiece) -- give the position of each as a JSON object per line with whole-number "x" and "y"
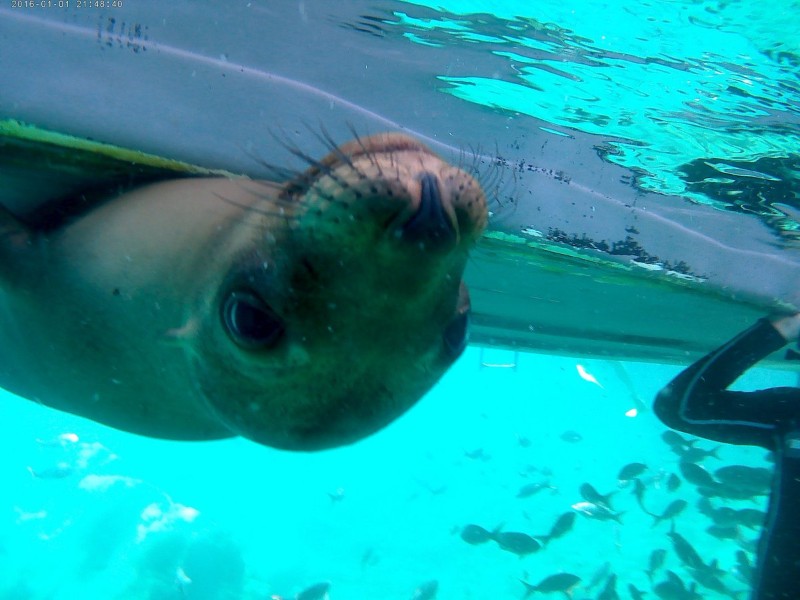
{"x": 777, "y": 575}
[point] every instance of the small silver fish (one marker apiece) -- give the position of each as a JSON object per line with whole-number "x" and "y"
{"x": 657, "y": 558}
{"x": 675, "y": 508}
{"x": 596, "y": 511}
{"x": 526, "y": 491}
{"x": 724, "y": 532}
{"x": 562, "y": 525}
{"x": 610, "y": 590}
{"x": 635, "y": 592}
{"x": 318, "y": 591}
{"x": 560, "y": 582}
{"x": 756, "y": 479}
{"x": 676, "y": 440}
{"x": 673, "y": 482}
{"x": 517, "y": 542}
{"x": 572, "y": 437}
{"x": 685, "y": 551}
{"x": 590, "y": 494}
{"x": 182, "y": 581}
{"x": 630, "y": 471}
{"x": 697, "y": 475}
{"x": 59, "y": 471}
{"x": 475, "y": 534}
{"x": 426, "y": 591}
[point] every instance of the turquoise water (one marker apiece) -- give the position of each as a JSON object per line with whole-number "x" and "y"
{"x": 376, "y": 519}
{"x": 698, "y": 99}
{"x": 663, "y": 86}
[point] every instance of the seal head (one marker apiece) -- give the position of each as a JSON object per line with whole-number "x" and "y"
{"x": 350, "y": 305}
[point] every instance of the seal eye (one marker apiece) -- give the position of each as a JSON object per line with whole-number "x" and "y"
{"x": 455, "y": 335}
{"x": 250, "y": 322}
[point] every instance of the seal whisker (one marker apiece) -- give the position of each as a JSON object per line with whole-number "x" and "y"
{"x": 333, "y": 147}
{"x": 257, "y": 210}
{"x": 492, "y": 178}
{"x": 359, "y": 140}
{"x": 295, "y": 150}
{"x": 396, "y": 170}
{"x": 346, "y": 159}
{"x": 302, "y": 182}
{"x": 367, "y": 152}
{"x": 462, "y": 154}
{"x": 474, "y": 152}
{"x": 307, "y": 158}
{"x": 477, "y": 153}
{"x": 276, "y": 197}
{"x": 280, "y": 174}
{"x": 395, "y": 164}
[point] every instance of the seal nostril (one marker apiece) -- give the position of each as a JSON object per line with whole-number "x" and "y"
{"x": 430, "y": 224}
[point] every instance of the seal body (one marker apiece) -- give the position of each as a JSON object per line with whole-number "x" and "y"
{"x": 302, "y": 315}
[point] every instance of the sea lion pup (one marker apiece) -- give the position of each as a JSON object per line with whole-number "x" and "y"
{"x": 302, "y": 316}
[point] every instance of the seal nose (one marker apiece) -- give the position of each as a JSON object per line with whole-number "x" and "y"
{"x": 430, "y": 225}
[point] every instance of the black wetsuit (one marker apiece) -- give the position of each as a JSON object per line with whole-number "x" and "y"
{"x": 697, "y": 402}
